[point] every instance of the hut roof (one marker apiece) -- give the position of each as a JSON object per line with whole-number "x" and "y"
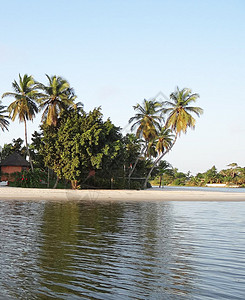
{"x": 15, "y": 159}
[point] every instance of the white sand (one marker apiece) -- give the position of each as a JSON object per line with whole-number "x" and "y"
{"x": 10, "y": 193}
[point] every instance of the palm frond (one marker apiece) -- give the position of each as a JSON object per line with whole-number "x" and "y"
{"x": 3, "y": 117}
{"x": 197, "y": 110}
{"x": 9, "y": 94}
{"x": 55, "y": 97}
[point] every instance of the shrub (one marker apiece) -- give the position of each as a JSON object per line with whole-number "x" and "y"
{"x": 29, "y": 179}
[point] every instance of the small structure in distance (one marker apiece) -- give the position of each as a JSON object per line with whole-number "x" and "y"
{"x": 12, "y": 164}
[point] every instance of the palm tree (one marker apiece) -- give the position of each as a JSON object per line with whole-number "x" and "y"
{"x": 179, "y": 111}
{"x": 179, "y": 118}
{"x": 24, "y": 105}
{"x": 55, "y": 97}
{"x": 164, "y": 167}
{"x": 164, "y": 141}
{"x": 234, "y": 169}
{"x": 147, "y": 121}
{"x": 3, "y": 118}
{"x": 163, "y": 144}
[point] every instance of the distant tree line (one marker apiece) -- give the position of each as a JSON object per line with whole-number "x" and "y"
{"x": 232, "y": 175}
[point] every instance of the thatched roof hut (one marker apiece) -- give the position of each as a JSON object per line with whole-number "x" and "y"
{"x": 15, "y": 159}
{"x": 12, "y": 164}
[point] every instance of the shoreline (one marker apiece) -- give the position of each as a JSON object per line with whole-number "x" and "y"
{"x": 32, "y": 194}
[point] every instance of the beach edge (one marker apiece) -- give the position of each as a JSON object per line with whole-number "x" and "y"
{"x": 32, "y": 194}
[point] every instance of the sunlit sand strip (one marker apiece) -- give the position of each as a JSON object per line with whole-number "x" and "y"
{"x": 9, "y": 193}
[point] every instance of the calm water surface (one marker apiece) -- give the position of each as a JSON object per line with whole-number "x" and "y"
{"x": 198, "y": 188}
{"x": 148, "y": 250}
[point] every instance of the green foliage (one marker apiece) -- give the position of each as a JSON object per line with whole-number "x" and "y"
{"x": 179, "y": 110}
{"x": 28, "y": 179}
{"x": 54, "y": 98}
{"x": 81, "y": 142}
{"x": 164, "y": 140}
{"x": 170, "y": 175}
{"x": 211, "y": 175}
{"x": 234, "y": 175}
{"x": 24, "y": 106}
{"x": 74, "y": 144}
{"x": 37, "y": 157}
{"x": 178, "y": 181}
{"x": 15, "y": 146}
{"x": 159, "y": 135}
{"x": 25, "y": 95}
{"x": 132, "y": 152}
{"x": 146, "y": 119}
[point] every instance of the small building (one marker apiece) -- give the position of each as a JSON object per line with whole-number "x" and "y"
{"x": 12, "y": 164}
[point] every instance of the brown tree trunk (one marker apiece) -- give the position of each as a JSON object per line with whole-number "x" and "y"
{"x": 157, "y": 161}
{"x": 135, "y": 164}
{"x": 27, "y": 148}
{"x": 74, "y": 184}
{"x": 56, "y": 182}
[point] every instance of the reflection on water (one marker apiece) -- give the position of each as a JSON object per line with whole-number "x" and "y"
{"x": 85, "y": 250}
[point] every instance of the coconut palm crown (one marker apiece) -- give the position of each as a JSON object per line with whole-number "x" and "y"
{"x": 147, "y": 119}
{"x": 25, "y": 96}
{"x": 164, "y": 140}
{"x": 179, "y": 110}
{"x": 55, "y": 97}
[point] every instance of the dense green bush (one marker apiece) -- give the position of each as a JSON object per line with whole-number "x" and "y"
{"x": 29, "y": 179}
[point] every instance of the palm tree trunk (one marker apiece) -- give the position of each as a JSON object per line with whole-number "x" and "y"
{"x": 27, "y": 148}
{"x": 158, "y": 160}
{"x": 56, "y": 182}
{"x": 48, "y": 179}
{"x": 135, "y": 164}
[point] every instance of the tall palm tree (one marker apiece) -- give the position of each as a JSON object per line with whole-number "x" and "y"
{"x": 179, "y": 118}
{"x": 179, "y": 111}
{"x": 3, "y": 118}
{"x": 55, "y": 97}
{"x": 146, "y": 122}
{"x": 24, "y": 105}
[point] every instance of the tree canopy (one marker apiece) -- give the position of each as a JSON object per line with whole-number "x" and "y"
{"x": 82, "y": 142}
{"x": 82, "y": 148}
{"x": 54, "y": 98}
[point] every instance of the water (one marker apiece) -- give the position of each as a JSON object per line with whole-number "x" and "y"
{"x": 149, "y": 250}
{"x": 197, "y": 188}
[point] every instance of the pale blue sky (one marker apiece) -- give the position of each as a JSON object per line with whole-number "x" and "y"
{"x": 116, "y": 53}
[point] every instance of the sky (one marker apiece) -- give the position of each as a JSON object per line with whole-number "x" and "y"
{"x": 118, "y": 53}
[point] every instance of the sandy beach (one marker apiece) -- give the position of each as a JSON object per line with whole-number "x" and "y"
{"x": 30, "y": 194}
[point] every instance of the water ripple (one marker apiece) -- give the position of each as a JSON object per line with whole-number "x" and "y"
{"x": 122, "y": 250}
